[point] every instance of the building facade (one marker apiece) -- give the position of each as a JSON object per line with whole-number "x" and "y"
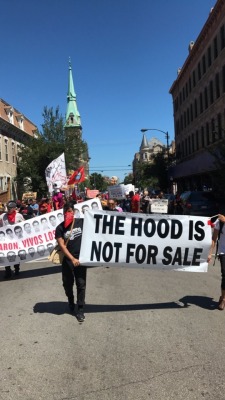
{"x": 15, "y": 129}
{"x": 199, "y": 105}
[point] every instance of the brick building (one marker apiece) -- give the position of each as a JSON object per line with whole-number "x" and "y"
{"x": 199, "y": 105}
{"x": 15, "y": 128}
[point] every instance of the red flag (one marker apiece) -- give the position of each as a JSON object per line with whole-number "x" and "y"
{"x": 77, "y": 177}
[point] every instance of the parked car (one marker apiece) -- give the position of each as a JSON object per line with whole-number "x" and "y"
{"x": 171, "y": 202}
{"x": 202, "y": 203}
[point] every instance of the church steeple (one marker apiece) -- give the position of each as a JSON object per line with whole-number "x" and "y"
{"x": 72, "y": 113}
{"x": 144, "y": 143}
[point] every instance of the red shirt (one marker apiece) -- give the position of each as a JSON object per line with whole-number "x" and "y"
{"x": 135, "y": 203}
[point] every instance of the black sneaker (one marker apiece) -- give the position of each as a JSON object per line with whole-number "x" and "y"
{"x": 80, "y": 315}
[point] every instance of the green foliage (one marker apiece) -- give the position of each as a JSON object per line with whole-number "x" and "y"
{"x": 97, "y": 181}
{"x": 128, "y": 179}
{"x": 38, "y": 153}
{"x": 153, "y": 174}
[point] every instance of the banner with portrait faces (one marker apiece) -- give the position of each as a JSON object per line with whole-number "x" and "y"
{"x": 35, "y": 237}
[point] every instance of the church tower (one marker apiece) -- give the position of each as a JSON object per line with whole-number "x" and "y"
{"x": 73, "y": 131}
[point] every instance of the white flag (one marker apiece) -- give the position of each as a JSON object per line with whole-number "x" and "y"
{"x": 55, "y": 173}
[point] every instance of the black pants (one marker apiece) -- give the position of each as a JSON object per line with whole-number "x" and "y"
{"x": 69, "y": 272}
{"x": 222, "y": 264}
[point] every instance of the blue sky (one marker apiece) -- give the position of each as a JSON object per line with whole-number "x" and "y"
{"x": 124, "y": 53}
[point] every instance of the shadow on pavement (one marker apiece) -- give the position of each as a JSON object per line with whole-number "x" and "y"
{"x": 201, "y": 301}
{"x": 31, "y": 273}
{"x": 59, "y": 307}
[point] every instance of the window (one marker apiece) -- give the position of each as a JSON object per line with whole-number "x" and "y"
{"x": 203, "y": 136}
{"x": 6, "y": 151}
{"x": 209, "y": 57}
{"x": 196, "y": 109}
{"x": 193, "y": 142}
{"x": 197, "y": 142}
{"x": 207, "y": 134}
{"x": 186, "y": 89}
{"x": 189, "y": 84}
{"x": 206, "y": 97}
{"x": 211, "y": 91}
{"x": 185, "y": 119}
{"x": 1, "y": 183}
{"x": 191, "y": 112}
{"x": 223, "y": 77}
{"x": 189, "y": 145}
{"x": 217, "y": 82}
{"x": 199, "y": 71}
{"x": 13, "y": 153}
{"x": 219, "y": 126}
{"x": 215, "y": 47}
{"x": 201, "y": 103}
{"x": 188, "y": 116}
{"x": 0, "y": 148}
{"x": 194, "y": 80}
{"x": 213, "y": 130}
{"x": 222, "y": 37}
{"x": 203, "y": 65}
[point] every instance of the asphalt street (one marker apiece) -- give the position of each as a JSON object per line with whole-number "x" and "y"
{"x": 147, "y": 335}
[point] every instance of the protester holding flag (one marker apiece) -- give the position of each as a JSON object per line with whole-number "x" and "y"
{"x": 68, "y": 235}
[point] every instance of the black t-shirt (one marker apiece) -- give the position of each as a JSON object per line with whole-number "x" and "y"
{"x": 74, "y": 242}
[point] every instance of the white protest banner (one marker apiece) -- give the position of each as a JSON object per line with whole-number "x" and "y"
{"x": 35, "y": 237}
{"x": 150, "y": 241}
{"x": 55, "y": 173}
{"x": 116, "y": 191}
{"x": 159, "y": 206}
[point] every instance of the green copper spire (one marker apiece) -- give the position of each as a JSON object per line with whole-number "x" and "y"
{"x": 72, "y": 113}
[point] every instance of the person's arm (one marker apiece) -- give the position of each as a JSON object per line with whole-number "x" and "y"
{"x": 221, "y": 217}
{"x": 66, "y": 252}
{"x": 214, "y": 240}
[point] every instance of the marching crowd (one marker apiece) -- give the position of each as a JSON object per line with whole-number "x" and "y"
{"x": 68, "y": 234}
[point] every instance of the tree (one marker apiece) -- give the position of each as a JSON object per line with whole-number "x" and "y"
{"x": 97, "y": 181}
{"x": 35, "y": 155}
{"x": 154, "y": 174}
{"x": 128, "y": 179}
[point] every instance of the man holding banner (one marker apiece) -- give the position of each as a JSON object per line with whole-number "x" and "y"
{"x": 68, "y": 235}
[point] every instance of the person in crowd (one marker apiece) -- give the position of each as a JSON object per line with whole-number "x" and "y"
{"x": 35, "y": 206}
{"x": 126, "y": 203}
{"x": 111, "y": 205}
{"x": 11, "y": 217}
{"x": 23, "y": 209}
{"x": 117, "y": 206}
{"x": 68, "y": 235}
{"x": 219, "y": 234}
{"x": 30, "y": 209}
{"x": 57, "y": 199}
{"x": 45, "y": 206}
{"x": 145, "y": 203}
{"x": 135, "y": 201}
